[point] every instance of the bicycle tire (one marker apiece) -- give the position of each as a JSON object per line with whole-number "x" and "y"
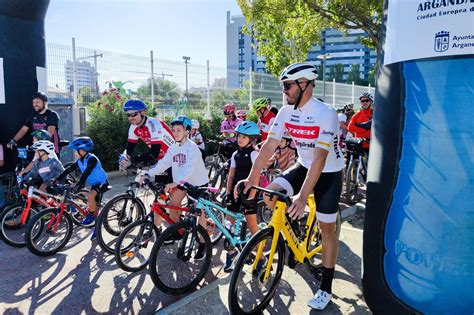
{"x": 15, "y": 237}
{"x": 246, "y": 255}
{"x": 316, "y": 268}
{"x": 38, "y": 222}
{"x": 351, "y": 183}
{"x": 107, "y": 241}
{"x": 123, "y": 252}
{"x": 11, "y": 226}
{"x": 158, "y": 276}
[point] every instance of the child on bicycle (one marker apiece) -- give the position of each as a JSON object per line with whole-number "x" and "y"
{"x": 92, "y": 173}
{"x": 196, "y": 137}
{"x": 285, "y": 154}
{"x": 228, "y": 129}
{"x": 46, "y": 167}
{"x": 240, "y": 164}
{"x": 37, "y": 136}
{"x": 186, "y": 164}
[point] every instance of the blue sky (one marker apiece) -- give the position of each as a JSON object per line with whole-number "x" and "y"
{"x": 170, "y": 28}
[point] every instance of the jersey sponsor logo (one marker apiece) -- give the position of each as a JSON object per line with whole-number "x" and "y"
{"x": 327, "y": 132}
{"x": 304, "y": 145}
{"x": 305, "y": 132}
{"x": 294, "y": 120}
{"x": 336, "y": 148}
{"x": 144, "y": 134}
{"x": 179, "y": 158}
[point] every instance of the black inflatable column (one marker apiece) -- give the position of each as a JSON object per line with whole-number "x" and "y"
{"x": 22, "y": 50}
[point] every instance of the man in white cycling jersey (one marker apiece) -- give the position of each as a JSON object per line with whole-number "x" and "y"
{"x": 314, "y": 127}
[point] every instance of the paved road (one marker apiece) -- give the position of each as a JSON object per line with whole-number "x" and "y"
{"x": 83, "y": 279}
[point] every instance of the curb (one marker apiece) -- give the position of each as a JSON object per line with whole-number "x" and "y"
{"x": 171, "y": 309}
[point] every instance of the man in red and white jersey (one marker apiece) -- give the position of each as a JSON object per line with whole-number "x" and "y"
{"x": 154, "y": 132}
{"x": 314, "y": 126}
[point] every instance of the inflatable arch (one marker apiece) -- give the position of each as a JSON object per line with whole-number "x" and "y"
{"x": 418, "y": 251}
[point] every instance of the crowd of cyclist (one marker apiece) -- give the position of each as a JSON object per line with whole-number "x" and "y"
{"x": 303, "y": 141}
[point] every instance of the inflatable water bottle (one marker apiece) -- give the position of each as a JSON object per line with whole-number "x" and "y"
{"x": 418, "y": 253}
{"x": 22, "y": 63}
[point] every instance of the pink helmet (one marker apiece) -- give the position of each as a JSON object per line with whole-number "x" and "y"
{"x": 241, "y": 113}
{"x": 229, "y": 109}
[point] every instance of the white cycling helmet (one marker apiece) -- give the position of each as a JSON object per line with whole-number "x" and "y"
{"x": 44, "y": 145}
{"x": 299, "y": 70}
{"x": 367, "y": 95}
{"x": 195, "y": 123}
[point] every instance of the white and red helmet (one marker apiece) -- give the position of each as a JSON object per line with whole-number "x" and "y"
{"x": 229, "y": 109}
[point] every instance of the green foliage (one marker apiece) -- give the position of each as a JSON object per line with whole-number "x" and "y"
{"x": 166, "y": 92}
{"x": 87, "y": 95}
{"x": 336, "y": 72}
{"x": 108, "y": 127}
{"x": 354, "y": 76}
{"x": 286, "y": 29}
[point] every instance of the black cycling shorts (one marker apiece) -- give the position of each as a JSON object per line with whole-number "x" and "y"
{"x": 165, "y": 178}
{"x": 100, "y": 189}
{"x": 327, "y": 191}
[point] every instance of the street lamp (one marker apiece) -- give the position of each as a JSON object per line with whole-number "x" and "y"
{"x": 323, "y": 57}
{"x": 186, "y": 59}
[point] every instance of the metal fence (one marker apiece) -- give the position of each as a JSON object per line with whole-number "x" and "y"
{"x": 95, "y": 70}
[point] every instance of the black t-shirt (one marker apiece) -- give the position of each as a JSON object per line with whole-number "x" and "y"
{"x": 38, "y": 121}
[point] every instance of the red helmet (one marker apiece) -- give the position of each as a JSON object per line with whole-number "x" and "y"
{"x": 229, "y": 109}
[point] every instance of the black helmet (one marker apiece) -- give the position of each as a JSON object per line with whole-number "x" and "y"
{"x": 41, "y": 96}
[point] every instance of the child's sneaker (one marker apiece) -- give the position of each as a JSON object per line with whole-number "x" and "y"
{"x": 229, "y": 261}
{"x": 88, "y": 220}
{"x": 320, "y": 300}
{"x": 201, "y": 252}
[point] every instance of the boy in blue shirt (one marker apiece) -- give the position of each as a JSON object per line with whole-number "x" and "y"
{"x": 92, "y": 173}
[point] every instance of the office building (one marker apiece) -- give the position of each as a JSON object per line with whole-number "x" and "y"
{"x": 86, "y": 75}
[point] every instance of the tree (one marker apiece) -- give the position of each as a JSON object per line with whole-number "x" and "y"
{"x": 336, "y": 72}
{"x": 371, "y": 76}
{"x": 354, "y": 76}
{"x": 87, "y": 95}
{"x": 286, "y": 29}
{"x": 165, "y": 91}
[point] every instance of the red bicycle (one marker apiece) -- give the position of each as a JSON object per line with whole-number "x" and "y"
{"x": 14, "y": 219}
{"x": 49, "y": 231}
{"x": 133, "y": 247}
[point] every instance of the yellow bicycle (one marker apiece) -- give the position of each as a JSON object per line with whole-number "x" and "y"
{"x": 260, "y": 265}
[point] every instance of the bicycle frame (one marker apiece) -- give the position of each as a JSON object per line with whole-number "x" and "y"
{"x": 281, "y": 225}
{"x": 158, "y": 209}
{"x": 239, "y": 218}
{"x": 39, "y": 197}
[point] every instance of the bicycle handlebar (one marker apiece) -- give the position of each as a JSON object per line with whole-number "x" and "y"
{"x": 281, "y": 196}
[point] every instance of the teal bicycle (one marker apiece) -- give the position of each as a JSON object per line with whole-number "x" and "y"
{"x": 182, "y": 254}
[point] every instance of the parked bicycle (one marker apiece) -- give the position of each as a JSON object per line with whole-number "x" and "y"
{"x": 356, "y": 173}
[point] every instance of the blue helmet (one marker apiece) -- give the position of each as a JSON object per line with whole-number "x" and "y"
{"x": 248, "y": 128}
{"x": 84, "y": 143}
{"x": 184, "y": 121}
{"x": 134, "y": 104}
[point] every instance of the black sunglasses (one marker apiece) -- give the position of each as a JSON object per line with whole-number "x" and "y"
{"x": 132, "y": 114}
{"x": 288, "y": 85}
{"x": 365, "y": 101}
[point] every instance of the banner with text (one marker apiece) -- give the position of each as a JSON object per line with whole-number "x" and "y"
{"x": 427, "y": 29}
